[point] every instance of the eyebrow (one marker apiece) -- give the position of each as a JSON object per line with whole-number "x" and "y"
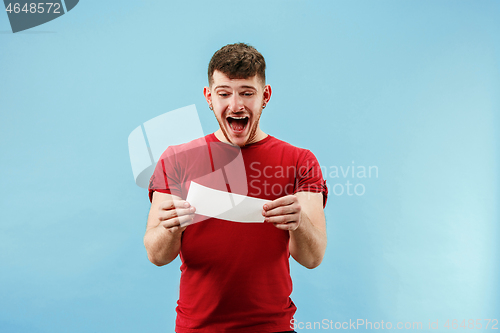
{"x": 244, "y": 87}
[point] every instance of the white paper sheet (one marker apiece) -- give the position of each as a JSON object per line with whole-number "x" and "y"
{"x": 225, "y": 205}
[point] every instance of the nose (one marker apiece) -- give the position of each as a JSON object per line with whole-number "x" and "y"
{"x": 236, "y": 103}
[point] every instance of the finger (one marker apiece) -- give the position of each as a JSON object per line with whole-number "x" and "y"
{"x": 184, "y": 224}
{"x": 282, "y": 219}
{"x": 177, "y": 229}
{"x": 169, "y": 214}
{"x": 177, "y": 221}
{"x": 174, "y": 204}
{"x": 282, "y": 210}
{"x": 283, "y": 201}
{"x": 287, "y": 226}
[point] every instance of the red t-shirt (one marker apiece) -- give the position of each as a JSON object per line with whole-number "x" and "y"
{"x": 236, "y": 276}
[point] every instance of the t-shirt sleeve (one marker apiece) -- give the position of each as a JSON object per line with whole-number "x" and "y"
{"x": 166, "y": 177}
{"x": 310, "y": 177}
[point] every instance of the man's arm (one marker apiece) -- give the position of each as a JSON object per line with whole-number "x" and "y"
{"x": 163, "y": 232}
{"x": 302, "y": 214}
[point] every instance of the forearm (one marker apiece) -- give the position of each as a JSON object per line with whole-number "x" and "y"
{"x": 307, "y": 243}
{"x": 162, "y": 245}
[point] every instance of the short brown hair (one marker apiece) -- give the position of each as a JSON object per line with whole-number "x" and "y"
{"x": 237, "y": 61}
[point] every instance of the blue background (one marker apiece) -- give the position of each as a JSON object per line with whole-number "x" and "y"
{"x": 410, "y": 87}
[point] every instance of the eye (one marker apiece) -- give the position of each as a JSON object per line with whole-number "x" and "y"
{"x": 221, "y": 94}
{"x": 248, "y": 94}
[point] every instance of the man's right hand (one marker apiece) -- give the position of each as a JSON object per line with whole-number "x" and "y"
{"x": 163, "y": 232}
{"x": 175, "y": 214}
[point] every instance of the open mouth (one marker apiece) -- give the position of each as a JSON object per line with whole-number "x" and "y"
{"x": 237, "y": 124}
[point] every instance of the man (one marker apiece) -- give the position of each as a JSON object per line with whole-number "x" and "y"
{"x": 235, "y": 276}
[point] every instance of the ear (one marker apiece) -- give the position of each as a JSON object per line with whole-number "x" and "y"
{"x": 208, "y": 95}
{"x": 267, "y": 93}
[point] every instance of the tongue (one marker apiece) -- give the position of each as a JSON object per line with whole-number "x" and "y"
{"x": 238, "y": 124}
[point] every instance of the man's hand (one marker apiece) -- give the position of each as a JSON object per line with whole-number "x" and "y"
{"x": 164, "y": 231}
{"x": 174, "y": 213}
{"x": 284, "y": 212}
{"x": 302, "y": 215}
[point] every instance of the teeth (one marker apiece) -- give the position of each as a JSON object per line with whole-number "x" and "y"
{"x": 238, "y": 117}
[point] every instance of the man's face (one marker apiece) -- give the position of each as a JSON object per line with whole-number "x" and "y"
{"x": 237, "y": 105}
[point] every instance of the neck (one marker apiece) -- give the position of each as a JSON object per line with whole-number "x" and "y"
{"x": 259, "y": 135}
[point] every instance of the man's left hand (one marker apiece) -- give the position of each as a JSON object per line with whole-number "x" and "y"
{"x": 284, "y": 213}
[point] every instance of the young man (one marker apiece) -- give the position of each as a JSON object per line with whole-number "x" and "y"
{"x": 235, "y": 276}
